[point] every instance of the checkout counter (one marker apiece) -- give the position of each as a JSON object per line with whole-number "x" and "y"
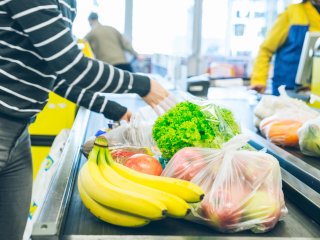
{"x": 63, "y": 215}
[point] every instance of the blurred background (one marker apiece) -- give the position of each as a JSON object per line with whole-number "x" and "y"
{"x": 183, "y": 38}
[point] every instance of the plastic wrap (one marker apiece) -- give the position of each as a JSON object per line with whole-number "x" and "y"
{"x": 243, "y": 188}
{"x": 282, "y": 127}
{"x": 273, "y": 105}
{"x": 281, "y": 130}
{"x": 135, "y": 134}
{"x": 138, "y": 132}
{"x": 194, "y": 123}
{"x": 309, "y": 138}
{"x": 121, "y": 154}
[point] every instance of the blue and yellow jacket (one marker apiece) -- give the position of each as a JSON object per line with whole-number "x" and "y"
{"x": 285, "y": 39}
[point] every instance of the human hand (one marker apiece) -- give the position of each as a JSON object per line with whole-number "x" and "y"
{"x": 159, "y": 98}
{"x": 126, "y": 117}
{"x": 258, "y": 88}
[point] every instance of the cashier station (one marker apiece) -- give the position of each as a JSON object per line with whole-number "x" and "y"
{"x": 63, "y": 215}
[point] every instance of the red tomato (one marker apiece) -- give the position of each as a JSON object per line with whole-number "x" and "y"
{"x": 144, "y": 163}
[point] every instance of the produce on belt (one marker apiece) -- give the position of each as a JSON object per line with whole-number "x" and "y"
{"x": 124, "y": 197}
{"x": 271, "y": 105}
{"x": 309, "y": 138}
{"x": 243, "y": 189}
{"x": 225, "y": 210}
{"x": 188, "y": 162}
{"x": 188, "y": 124}
{"x": 262, "y": 206}
{"x": 281, "y": 131}
{"x": 144, "y": 163}
{"x": 121, "y": 154}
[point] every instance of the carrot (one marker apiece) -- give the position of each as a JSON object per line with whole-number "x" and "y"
{"x": 284, "y": 132}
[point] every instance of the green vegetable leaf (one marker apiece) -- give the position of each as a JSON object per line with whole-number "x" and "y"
{"x": 188, "y": 124}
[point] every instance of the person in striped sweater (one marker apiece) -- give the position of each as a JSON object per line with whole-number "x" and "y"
{"x": 37, "y": 55}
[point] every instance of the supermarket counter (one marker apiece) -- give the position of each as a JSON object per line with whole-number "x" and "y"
{"x": 63, "y": 215}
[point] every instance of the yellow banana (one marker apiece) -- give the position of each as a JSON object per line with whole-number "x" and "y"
{"x": 111, "y": 196}
{"x": 188, "y": 191}
{"x": 176, "y": 206}
{"x": 110, "y": 215}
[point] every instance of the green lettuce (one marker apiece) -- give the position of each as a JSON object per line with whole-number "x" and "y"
{"x": 191, "y": 125}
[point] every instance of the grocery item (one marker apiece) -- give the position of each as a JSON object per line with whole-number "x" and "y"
{"x": 309, "y": 138}
{"x": 188, "y": 162}
{"x": 144, "y": 163}
{"x": 196, "y": 123}
{"x": 189, "y": 192}
{"x": 110, "y": 215}
{"x": 281, "y": 131}
{"x": 274, "y": 105}
{"x": 243, "y": 189}
{"x": 108, "y": 195}
{"x": 121, "y": 153}
{"x": 108, "y": 189}
{"x": 176, "y": 206}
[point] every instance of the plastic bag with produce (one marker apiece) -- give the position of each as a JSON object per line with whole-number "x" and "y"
{"x": 243, "y": 189}
{"x": 271, "y": 105}
{"x": 137, "y": 133}
{"x": 193, "y": 123}
{"x": 309, "y": 137}
{"x": 281, "y": 131}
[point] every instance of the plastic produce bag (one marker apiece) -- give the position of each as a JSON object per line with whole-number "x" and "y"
{"x": 243, "y": 189}
{"x": 136, "y": 133}
{"x": 309, "y": 138}
{"x": 121, "y": 154}
{"x": 126, "y": 135}
{"x": 271, "y": 105}
{"x": 281, "y": 130}
{"x": 194, "y": 123}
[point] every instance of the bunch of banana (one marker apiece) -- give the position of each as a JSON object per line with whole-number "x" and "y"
{"x": 124, "y": 197}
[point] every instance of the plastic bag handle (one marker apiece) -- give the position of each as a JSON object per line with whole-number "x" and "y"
{"x": 235, "y": 143}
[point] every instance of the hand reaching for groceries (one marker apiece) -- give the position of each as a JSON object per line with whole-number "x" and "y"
{"x": 258, "y": 88}
{"x": 127, "y": 116}
{"x": 159, "y": 98}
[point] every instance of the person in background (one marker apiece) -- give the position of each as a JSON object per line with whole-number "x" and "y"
{"x": 285, "y": 40}
{"x": 39, "y": 55}
{"x": 108, "y": 44}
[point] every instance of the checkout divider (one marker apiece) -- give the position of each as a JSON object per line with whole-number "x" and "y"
{"x": 63, "y": 215}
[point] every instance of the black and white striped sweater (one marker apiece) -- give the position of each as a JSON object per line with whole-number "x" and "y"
{"x": 38, "y": 54}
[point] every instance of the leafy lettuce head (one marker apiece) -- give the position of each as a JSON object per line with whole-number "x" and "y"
{"x": 189, "y": 124}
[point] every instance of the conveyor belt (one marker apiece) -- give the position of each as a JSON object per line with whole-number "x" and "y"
{"x": 313, "y": 161}
{"x": 79, "y": 221}
{"x": 74, "y": 221}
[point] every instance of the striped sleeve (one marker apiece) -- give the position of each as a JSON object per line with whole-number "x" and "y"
{"x": 93, "y": 101}
{"x": 51, "y": 37}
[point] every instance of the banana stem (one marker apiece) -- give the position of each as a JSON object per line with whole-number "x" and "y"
{"x": 101, "y": 142}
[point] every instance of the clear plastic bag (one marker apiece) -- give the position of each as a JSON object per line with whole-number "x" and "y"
{"x": 243, "y": 188}
{"x": 281, "y": 130}
{"x": 282, "y": 127}
{"x": 137, "y": 133}
{"x": 194, "y": 123}
{"x": 271, "y": 105}
{"x": 309, "y": 138}
{"x": 122, "y": 153}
